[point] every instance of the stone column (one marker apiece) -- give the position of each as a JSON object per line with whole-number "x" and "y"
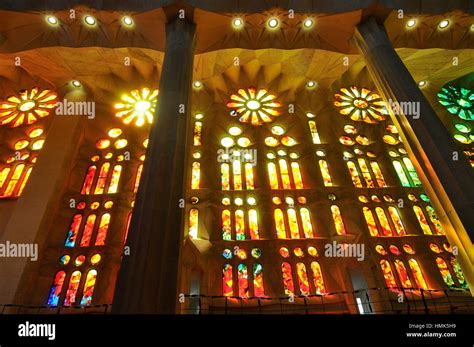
{"x": 448, "y": 182}
{"x": 148, "y": 277}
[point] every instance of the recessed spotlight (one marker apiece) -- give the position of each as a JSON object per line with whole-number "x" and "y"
{"x": 76, "y": 83}
{"x": 89, "y": 20}
{"x": 443, "y": 24}
{"x": 311, "y": 84}
{"x": 472, "y": 27}
{"x": 411, "y": 23}
{"x": 197, "y": 84}
{"x": 308, "y": 23}
{"x": 422, "y": 83}
{"x": 273, "y": 23}
{"x": 127, "y": 20}
{"x": 310, "y": 115}
{"x": 198, "y": 116}
{"x": 237, "y": 22}
{"x": 52, "y": 20}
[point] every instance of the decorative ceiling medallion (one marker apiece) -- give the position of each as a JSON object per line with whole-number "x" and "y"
{"x": 256, "y": 107}
{"x": 137, "y": 106}
{"x": 27, "y": 107}
{"x": 361, "y": 106}
{"x": 458, "y": 101}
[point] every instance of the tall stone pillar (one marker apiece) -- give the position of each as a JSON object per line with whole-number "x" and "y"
{"x": 448, "y": 182}
{"x": 148, "y": 277}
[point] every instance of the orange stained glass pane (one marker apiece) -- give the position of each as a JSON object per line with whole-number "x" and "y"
{"x": 71, "y": 292}
{"x": 258, "y": 286}
{"x": 243, "y": 281}
{"x": 227, "y": 282}
{"x": 417, "y": 274}
{"x": 253, "y": 224}
{"x": 237, "y": 171}
{"x": 239, "y": 225}
{"x": 293, "y": 223}
{"x": 314, "y": 132}
{"x": 73, "y": 231}
{"x": 114, "y": 181}
{"x": 280, "y": 223}
{"x": 103, "y": 228}
{"x": 445, "y": 273}
{"x": 295, "y": 170}
{"x": 285, "y": 177}
{"x": 288, "y": 283}
{"x": 272, "y": 175}
{"x": 226, "y": 226}
{"x": 197, "y": 134}
{"x": 86, "y": 187}
{"x": 14, "y": 180}
{"x": 56, "y": 288}
{"x": 323, "y": 166}
{"x": 365, "y": 173}
{"x": 88, "y": 228}
{"x": 24, "y": 180}
{"x": 318, "y": 279}
{"x": 249, "y": 176}
{"x": 369, "y": 219}
{"x": 338, "y": 221}
{"x": 129, "y": 219}
{"x": 434, "y": 219}
{"x": 3, "y": 176}
{"x": 137, "y": 178}
{"x": 388, "y": 274}
{"x": 306, "y": 222}
{"x": 378, "y": 174}
{"x": 354, "y": 174}
{"x": 302, "y": 279}
{"x": 386, "y": 230}
{"x": 225, "y": 177}
{"x": 195, "y": 175}
{"x": 103, "y": 173}
{"x": 402, "y": 274}
{"x": 397, "y": 221}
{"x": 422, "y": 220}
{"x": 193, "y": 223}
{"x": 89, "y": 286}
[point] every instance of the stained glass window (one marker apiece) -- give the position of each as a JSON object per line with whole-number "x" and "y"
{"x": 434, "y": 219}
{"x": 354, "y": 174}
{"x": 103, "y": 174}
{"x": 458, "y": 101}
{"x": 73, "y": 231}
{"x": 323, "y": 166}
{"x": 361, "y": 105}
{"x": 306, "y": 222}
{"x": 197, "y": 133}
{"x": 458, "y": 272}
{"x": 86, "y": 187}
{"x": 318, "y": 278}
{"x": 417, "y": 274}
{"x": 243, "y": 281}
{"x": 103, "y": 228}
{"x": 370, "y": 220}
{"x": 56, "y": 288}
{"x": 137, "y": 178}
{"x": 422, "y": 220}
{"x": 225, "y": 178}
{"x": 386, "y": 229}
{"x": 444, "y": 271}
{"x": 402, "y": 274}
{"x": 88, "y": 228}
{"x": 227, "y": 282}
{"x": 401, "y": 174}
{"x": 196, "y": 175}
{"x": 193, "y": 223}
{"x": 388, "y": 274}
{"x": 89, "y": 287}
{"x": 71, "y": 292}
{"x": 288, "y": 283}
{"x": 239, "y": 225}
{"x": 258, "y": 286}
{"x": 397, "y": 221}
{"x": 280, "y": 223}
{"x": 338, "y": 221}
{"x": 303, "y": 281}
{"x": 113, "y": 186}
{"x": 314, "y": 132}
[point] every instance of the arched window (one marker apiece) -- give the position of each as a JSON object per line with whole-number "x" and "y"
{"x": 397, "y": 221}
{"x": 56, "y": 288}
{"x": 237, "y": 174}
{"x": 401, "y": 174}
{"x": 318, "y": 279}
{"x": 226, "y": 226}
{"x": 293, "y": 181}
{"x": 113, "y": 186}
{"x": 412, "y": 172}
{"x": 388, "y": 274}
{"x": 227, "y": 282}
{"x": 272, "y": 174}
{"x": 249, "y": 181}
{"x": 253, "y": 224}
{"x": 402, "y": 274}
{"x": 370, "y": 220}
{"x": 298, "y": 180}
{"x": 243, "y": 281}
{"x": 338, "y": 221}
{"x": 258, "y": 286}
{"x": 101, "y": 181}
{"x": 434, "y": 219}
{"x": 87, "y": 185}
{"x": 302, "y": 279}
{"x": 196, "y": 175}
{"x": 378, "y": 174}
{"x": 15, "y": 181}
{"x": 288, "y": 283}
{"x": 323, "y": 166}
{"x": 354, "y": 174}
{"x": 73, "y": 231}
{"x": 294, "y": 226}
{"x": 3, "y": 176}
{"x": 458, "y": 272}
{"x": 314, "y": 132}
{"x": 89, "y": 286}
{"x": 386, "y": 229}
{"x": 306, "y": 222}
{"x": 285, "y": 176}
{"x": 422, "y": 220}
{"x": 239, "y": 225}
{"x": 406, "y": 173}
{"x": 225, "y": 177}
{"x": 197, "y": 134}
{"x": 417, "y": 274}
{"x": 103, "y": 228}
{"x": 193, "y": 223}
{"x": 445, "y": 273}
{"x": 280, "y": 223}
{"x": 293, "y": 223}
{"x": 88, "y": 229}
{"x": 137, "y": 178}
{"x": 71, "y": 292}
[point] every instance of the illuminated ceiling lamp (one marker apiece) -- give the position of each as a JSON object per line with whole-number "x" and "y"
{"x": 308, "y": 23}
{"x": 273, "y": 23}
{"x": 52, "y": 20}
{"x": 90, "y": 20}
{"x": 127, "y": 21}
{"x": 411, "y": 23}
{"x": 237, "y": 23}
{"x": 443, "y": 24}
{"x": 137, "y": 106}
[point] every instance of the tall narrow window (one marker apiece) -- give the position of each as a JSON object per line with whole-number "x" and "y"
{"x": 17, "y": 173}
{"x": 285, "y": 177}
{"x": 378, "y": 174}
{"x": 258, "y": 286}
{"x": 458, "y": 272}
{"x": 388, "y": 274}
{"x": 444, "y": 271}
{"x": 272, "y": 175}
{"x": 338, "y": 221}
{"x": 237, "y": 172}
{"x": 225, "y": 177}
{"x": 366, "y": 173}
{"x": 386, "y": 230}
{"x": 298, "y": 180}
{"x": 196, "y": 175}
{"x": 89, "y": 286}
{"x": 197, "y": 134}
{"x": 318, "y": 279}
{"x": 288, "y": 283}
{"x": 412, "y": 172}
{"x": 293, "y": 223}
{"x": 71, "y": 292}
{"x": 279, "y": 224}
{"x": 354, "y": 174}
{"x": 402, "y": 274}
{"x": 227, "y": 282}
{"x": 239, "y": 225}
{"x": 314, "y": 132}
{"x": 434, "y": 219}
{"x": 370, "y": 220}
{"x": 193, "y": 223}
{"x": 401, "y": 174}
{"x": 249, "y": 176}
{"x": 397, "y": 221}
{"x": 243, "y": 281}
{"x": 137, "y": 178}
{"x": 56, "y": 288}
{"x": 25, "y": 179}
{"x": 226, "y": 226}
{"x": 88, "y": 229}
{"x": 422, "y": 220}
{"x": 3, "y": 176}
{"x": 73, "y": 231}
{"x": 114, "y": 181}
{"x": 417, "y": 274}
{"x": 323, "y": 166}
{"x": 306, "y": 223}
{"x": 302, "y": 279}
{"x": 103, "y": 173}
{"x": 253, "y": 224}
{"x": 103, "y": 228}
{"x": 86, "y": 187}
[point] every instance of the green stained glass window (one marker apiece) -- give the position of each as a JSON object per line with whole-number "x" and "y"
{"x": 458, "y": 101}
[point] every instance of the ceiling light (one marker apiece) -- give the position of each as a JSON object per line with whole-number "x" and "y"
{"x": 89, "y": 20}
{"x": 308, "y": 23}
{"x": 76, "y": 83}
{"x": 273, "y": 23}
{"x": 311, "y": 84}
{"x": 197, "y": 84}
{"x": 52, "y": 20}
{"x": 127, "y": 20}
{"x": 237, "y": 22}
{"x": 443, "y": 24}
{"x": 422, "y": 83}
{"x": 411, "y": 23}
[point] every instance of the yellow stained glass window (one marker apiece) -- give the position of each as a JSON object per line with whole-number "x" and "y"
{"x": 314, "y": 132}
{"x": 318, "y": 279}
{"x": 386, "y": 229}
{"x": 272, "y": 175}
{"x": 388, "y": 274}
{"x": 295, "y": 169}
{"x": 225, "y": 179}
{"x": 422, "y": 220}
{"x": 397, "y": 221}
{"x": 237, "y": 174}
{"x": 249, "y": 176}
{"x": 306, "y": 222}
{"x": 288, "y": 283}
{"x": 302, "y": 279}
{"x": 226, "y": 225}
{"x": 239, "y": 225}
{"x": 253, "y": 224}
{"x": 103, "y": 173}
{"x": 114, "y": 181}
{"x": 196, "y": 175}
{"x": 338, "y": 221}
{"x": 378, "y": 174}
{"x": 293, "y": 223}
{"x": 323, "y": 166}
{"x": 14, "y": 179}
{"x": 137, "y": 178}
{"x": 103, "y": 228}
{"x": 402, "y": 274}
{"x": 354, "y": 174}
{"x": 285, "y": 177}
{"x": 370, "y": 220}
{"x": 197, "y": 134}
{"x": 280, "y": 223}
{"x": 193, "y": 223}
{"x": 366, "y": 173}
{"x": 3, "y": 176}
{"x": 417, "y": 274}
